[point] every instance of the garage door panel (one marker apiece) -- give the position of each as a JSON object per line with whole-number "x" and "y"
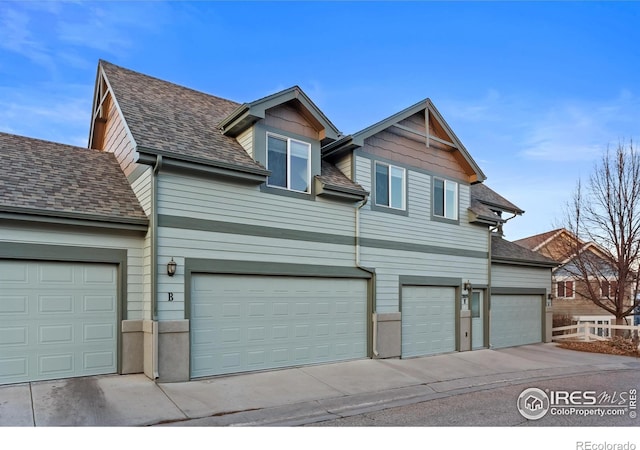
{"x": 428, "y": 320}
{"x": 59, "y": 324}
{"x": 272, "y": 322}
{"x": 515, "y": 320}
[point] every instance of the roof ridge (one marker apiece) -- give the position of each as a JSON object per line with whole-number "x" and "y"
{"x": 47, "y": 141}
{"x": 180, "y": 86}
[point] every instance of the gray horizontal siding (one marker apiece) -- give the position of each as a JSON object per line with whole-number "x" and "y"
{"x": 520, "y": 277}
{"x": 227, "y": 202}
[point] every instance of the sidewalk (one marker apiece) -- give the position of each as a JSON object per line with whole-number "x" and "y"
{"x": 291, "y": 396}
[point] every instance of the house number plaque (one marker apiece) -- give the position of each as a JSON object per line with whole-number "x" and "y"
{"x": 170, "y": 296}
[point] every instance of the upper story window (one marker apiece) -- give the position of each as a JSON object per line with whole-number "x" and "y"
{"x": 564, "y": 289}
{"x": 390, "y": 186}
{"x": 289, "y": 161}
{"x": 445, "y": 199}
{"x": 608, "y": 288}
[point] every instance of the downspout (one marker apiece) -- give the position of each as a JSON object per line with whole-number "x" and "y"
{"x": 154, "y": 262}
{"x": 372, "y": 272}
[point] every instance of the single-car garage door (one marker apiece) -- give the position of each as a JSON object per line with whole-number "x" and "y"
{"x": 428, "y": 320}
{"x": 57, "y": 320}
{"x": 242, "y": 323}
{"x": 515, "y": 320}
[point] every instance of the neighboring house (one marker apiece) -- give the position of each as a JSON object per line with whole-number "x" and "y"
{"x": 570, "y": 295}
{"x": 255, "y": 236}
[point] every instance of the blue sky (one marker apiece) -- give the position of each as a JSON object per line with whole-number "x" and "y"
{"x": 535, "y": 91}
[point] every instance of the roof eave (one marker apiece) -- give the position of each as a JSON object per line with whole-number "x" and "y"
{"x": 340, "y": 192}
{"x": 73, "y": 218}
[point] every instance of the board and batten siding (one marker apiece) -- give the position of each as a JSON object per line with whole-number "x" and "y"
{"x": 451, "y": 241}
{"x": 28, "y": 234}
{"x": 512, "y": 276}
{"x": 197, "y": 198}
{"x": 118, "y": 141}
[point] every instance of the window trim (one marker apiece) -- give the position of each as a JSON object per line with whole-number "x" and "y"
{"x": 288, "y": 140}
{"x": 404, "y": 187}
{"x": 611, "y": 285}
{"x": 456, "y": 206}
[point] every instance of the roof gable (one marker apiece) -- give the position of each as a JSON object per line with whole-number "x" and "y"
{"x": 49, "y": 179}
{"x": 247, "y": 114}
{"x": 435, "y": 132}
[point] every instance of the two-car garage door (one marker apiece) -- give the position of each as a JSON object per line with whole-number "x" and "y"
{"x": 57, "y": 320}
{"x": 243, "y": 323}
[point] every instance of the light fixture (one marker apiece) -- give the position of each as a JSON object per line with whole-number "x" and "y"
{"x": 467, "y": 286}
{"x": 549, "y": 299}
{"x": 171, "y": 267}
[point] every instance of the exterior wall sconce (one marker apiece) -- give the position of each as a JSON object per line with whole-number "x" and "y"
{"x": 466, "y": 288}
{"x": 171, "y": 267}
{"x": 549, "y": 298}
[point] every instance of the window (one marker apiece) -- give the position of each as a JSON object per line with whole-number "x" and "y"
{"x": 445, "y": 199}
{"x": 608, "y": 288}
{"x": 390, "y": 182}
{"x": 475, "y": 305}
{"x": 289, "y": 162}
{"x": 564, "y": 289}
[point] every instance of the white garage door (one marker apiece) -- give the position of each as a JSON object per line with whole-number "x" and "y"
{"x": 242, "y": 323}
{"x": 428, "y": 320}
{"x": 515, "y": 320}
{"x": 57, "y": 320}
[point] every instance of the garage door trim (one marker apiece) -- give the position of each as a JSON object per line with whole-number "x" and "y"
{"x": 234, "y": 267}
{"x": 63, "y": 253}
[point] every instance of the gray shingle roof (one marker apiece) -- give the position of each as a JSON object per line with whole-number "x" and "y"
{"x": 175, "y": 120}
{"x": 504, "y": 250}
{"x": 332, "y": 176}
{"x": 489, "y": 197}
{"x": 41, "y": 177}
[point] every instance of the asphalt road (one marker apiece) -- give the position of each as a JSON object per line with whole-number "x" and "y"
{"x": 497, "y": 407}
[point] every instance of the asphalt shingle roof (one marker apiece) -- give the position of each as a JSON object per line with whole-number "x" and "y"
{"x": 177, "y": 121}
{"x": 331, "y": 175}
{"x": 534, "y": 241}
{"x": 489, "y": 197}
{"x": 503, "y": 249}
{"x": 42, "y": 177}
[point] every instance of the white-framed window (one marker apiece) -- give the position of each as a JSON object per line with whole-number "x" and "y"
{"x": 289, "y": 161}
{"x": 608, "y": 288}
{"x": 564, "y": 289}
{"x": 445, "y": 198}
{"x": 390, "y": 186}
{"x": 595, "y": 321}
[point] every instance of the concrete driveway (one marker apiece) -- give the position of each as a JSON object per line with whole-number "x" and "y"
{"x": 289, "y": 396}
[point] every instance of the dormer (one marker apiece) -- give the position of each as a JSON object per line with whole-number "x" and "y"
{"x": 285, "y": 132}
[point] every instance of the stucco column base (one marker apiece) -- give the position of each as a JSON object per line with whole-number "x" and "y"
{"x": 173, "y": 351}
{"x": 132, "y": 347}
{"x": 388, "y": 335}
{"x": 465, "y": 331}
